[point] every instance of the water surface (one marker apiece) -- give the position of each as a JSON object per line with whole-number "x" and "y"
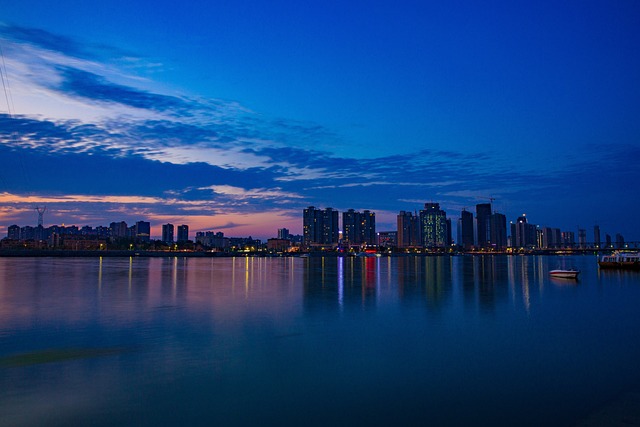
{"x": 462, "y": 340}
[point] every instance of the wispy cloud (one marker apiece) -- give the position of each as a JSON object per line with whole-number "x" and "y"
{"x": 84, "y": 131}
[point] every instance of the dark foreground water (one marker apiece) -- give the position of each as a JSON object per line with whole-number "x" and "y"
{"x": 320, "y": 341}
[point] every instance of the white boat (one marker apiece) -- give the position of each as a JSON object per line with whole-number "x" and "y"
{"x": 621, "y": 260}
{"x": 565, "y": 274}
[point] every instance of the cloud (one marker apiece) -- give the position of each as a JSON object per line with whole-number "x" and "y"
{"x": 80, "y": 83}
{"x": 92, "y": 140}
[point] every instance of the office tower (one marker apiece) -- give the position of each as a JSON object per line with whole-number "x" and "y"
{"x": 408, "y": 230}
{"x": 143, "y": 231}
{"x": 167, "y": 233}
{"x": 596, "y": 236}
{"x": 607, "y": 239}
{"x": 466, "y": 230}
{"x": 498, "y": 229}
{"x": 433, "y": 226}
{"x": 183, "y": 233}
{"x": 320, "y": 226}
{"x": 283, "y": 233}
{"x": 483, "y": 221}
{"x": 619, "y": 241}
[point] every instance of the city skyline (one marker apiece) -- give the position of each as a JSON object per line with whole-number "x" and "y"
{"x": 431, "y": 228}
{"x": 235, "y": 118}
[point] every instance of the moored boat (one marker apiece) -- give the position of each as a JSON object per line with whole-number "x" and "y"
{"x": 620, "y": 260}
{"x": 564, "y": 274}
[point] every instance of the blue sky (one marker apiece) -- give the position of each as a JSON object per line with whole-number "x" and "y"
{"x": 234, "y": 116}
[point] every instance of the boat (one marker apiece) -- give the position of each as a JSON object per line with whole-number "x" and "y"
{"x": 564, "y": 274}
{"x": 620, "y": 260}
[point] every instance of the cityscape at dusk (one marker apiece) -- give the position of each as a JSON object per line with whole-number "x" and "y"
{"x": 319, "y": 213}
{"x": 235, "y": 118}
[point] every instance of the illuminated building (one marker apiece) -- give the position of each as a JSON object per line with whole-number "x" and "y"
{"x": 359, "y": 227}
{"x": 320, "y": 227}
{"x": 433, "y": 226}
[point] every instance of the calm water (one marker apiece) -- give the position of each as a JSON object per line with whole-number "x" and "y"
{"x": 318, "y": 341}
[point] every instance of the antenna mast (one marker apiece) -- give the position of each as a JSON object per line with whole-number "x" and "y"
{"x": 41, "y": 211}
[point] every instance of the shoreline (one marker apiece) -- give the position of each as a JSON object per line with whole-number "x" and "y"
{"x": 42, "y": 253}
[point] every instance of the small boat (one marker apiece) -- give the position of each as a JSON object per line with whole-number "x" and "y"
{"x": 564, "y": 274}
{"x": 621, "y": 260}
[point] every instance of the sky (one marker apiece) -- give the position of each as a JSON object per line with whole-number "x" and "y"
{"x": 235, "y": 116}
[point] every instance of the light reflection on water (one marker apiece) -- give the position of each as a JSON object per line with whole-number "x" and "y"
{"x": 487, "y": 340}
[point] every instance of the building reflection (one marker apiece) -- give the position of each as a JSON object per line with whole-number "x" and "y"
{"x": 425, "y": 279}
{"x": 340, "y": 282}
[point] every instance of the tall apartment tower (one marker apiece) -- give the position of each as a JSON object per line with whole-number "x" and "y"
{"x": 359, "y": 227}
{"x": 167, "y": 233}
{"x": 408, "y": 230}
{"x": 483, "y": 221}
{"x": 320, "y": 226}
{"x": 183, "y": 233}
{"x": 433, "y": 226}
{"x": 466, "y": 229}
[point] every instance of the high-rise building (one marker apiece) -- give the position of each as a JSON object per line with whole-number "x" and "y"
{"x": 568, "y": 239}
{"x": 582, "y": 238}
{"x": 119, "y": 229}
{"x": 330, "y": 229}
{"x": 143, "y": 231}
{"x": 523, "y": 234}
{"x": 183, "y": 233}
{"x": 359, "y": 227}
{"x": 13, "y": 232}
{"x": 320, "y": 226}
{"x": 351, "y": 227}
{"x": 596, "y": 236}
{"x": 483, "y": 221}
{"x": 283, "y": 233}
{"x": 433, "y": 226}
{"x": 551, "y": 238}
{"x": 167, "y": 233}
{"x": 408, "y": 230}
{"x": 466, "y": 230}
{"x": 498, "y": 228}
{"x": 619, "y": 241}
